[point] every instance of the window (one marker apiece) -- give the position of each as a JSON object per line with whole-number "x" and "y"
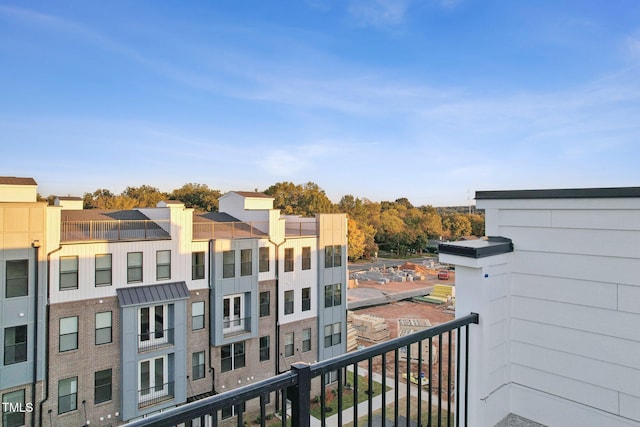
{"x": 332, "y": 334}
{"x": 17, "y": 278}
{"x": 265, "y": 352}
{"x": 306, "y": 258}
{"x": 163, "y": 265}
{"x": 265, "y": 303}
{"x": 152, "y": 328}
{"x": 233, "y": 313}
{"x": 15, "y": 344}
{"x": 103, "y": 269}
{"x": 11, "y": 401}
{"x": 330, "y": 377}
{"x": 152, "y": 380}
{"x": 197, "y": 265}
{"x": 68, "y": 272}
{"x": 332, "y": 295}
{"x": 102, "y": 386}
{"x": 232, "y": 356}
{"x": 197, "y": 365}
{"x": 333, "y": 256}
{"x": 231, "y": 411}
{"x": 306, "y": 299}
{"x": 67, "y": 395}
{"x": 246, "y": 262}
{"x": 134, "y": 267}
{"x": 288, "y": 344}
{"x": 68, "y": 333}
{"x": 228, "y": 264}
{"x": 306, "y": 340}
{"x": 288, "y": 302}
{"x": 103, "y": 327}
{"x": 288, "y": 259}
{"x": 263, "y": 254}
{"x": 197, "y": 315}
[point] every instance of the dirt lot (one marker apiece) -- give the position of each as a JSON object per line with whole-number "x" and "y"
{"x": 436, "y": 314}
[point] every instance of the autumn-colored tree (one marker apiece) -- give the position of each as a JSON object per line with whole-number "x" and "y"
{"x": 145, "y": 196}
{"x": 355, "y": 240}
{"x": 305, "y": 200}
{"x": 477, "y": 224}
{"x": 456, "y": 225}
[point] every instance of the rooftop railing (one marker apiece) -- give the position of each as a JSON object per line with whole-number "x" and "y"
{"x": 112, "y": 230}
{"x": 371, "y": 377}
{"x": 205, "y": 230}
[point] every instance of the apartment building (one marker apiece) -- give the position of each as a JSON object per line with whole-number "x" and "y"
{"x": 23, "y": 230}
{"x": 151, "y": 308}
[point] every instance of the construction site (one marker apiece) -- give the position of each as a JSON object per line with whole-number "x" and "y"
{"x": 386, "y": 303}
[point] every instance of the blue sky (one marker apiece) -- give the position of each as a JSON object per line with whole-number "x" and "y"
{"x": 424, "y": 99}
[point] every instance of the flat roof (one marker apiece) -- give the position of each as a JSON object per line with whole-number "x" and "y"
{"x": 566, "y": 193}
{"x": 478, "y": 248}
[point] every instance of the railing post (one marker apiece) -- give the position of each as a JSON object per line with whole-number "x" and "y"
{"x": 300, "y": 395}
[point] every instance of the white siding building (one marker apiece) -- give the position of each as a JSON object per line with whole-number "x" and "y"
{"x": 559, "y": 302}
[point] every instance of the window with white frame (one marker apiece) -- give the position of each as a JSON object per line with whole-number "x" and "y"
{"x": 306, "y": 258}
{"x": 134, "y": 267}
{"x": 103, "y": 270}
{"x": 332, "y": 334}
{"x": 332, "y": 256}
{"x": 246, "y": 262}
{"x": 288, "y": 259}
{"x": 263, "y": 264}
{"x": 306, "y": 340}
{"x": 68, "y": 272}
{"x": 197, "y": 315}
{"x": 288, "y": 302}
{"x": 15, "y": 344}
{"x": 197, "y": 265}
{"x": 68, "y": 333}
{"x": 17, "y": 278}
{"x": 265, "y": 349}
{"x": 233, "y": 313}
{"x": 288, "y": 344}
{"x": 12, "y": 418}
{"x": 228, "y": 264}
{"x": 153, "y": 326}
{"x": 153, "y": 380}
{"x": 67, "y": 395}
{"x": 197, "y": 365}
{"x": 232, "y": 356}
{"x": 306, "y": 299}
{"x": 163, "y": 265}
{"x": 332, "y": 295}
{"x": 103, "y": 327}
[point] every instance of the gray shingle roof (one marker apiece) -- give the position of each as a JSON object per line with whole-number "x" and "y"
{"x": 141, "y": 295}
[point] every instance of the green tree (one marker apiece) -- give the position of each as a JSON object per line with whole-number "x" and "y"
{"x": 305, "y": 200}
{"x": 145, "y": 196}
{"x": 197, "y": 196}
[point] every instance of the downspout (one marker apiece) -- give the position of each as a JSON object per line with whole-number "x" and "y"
{"x": 211, "y": 368}
{"x": 277, "y": 314}
{"x": 46, "y": 337}
{"x": 36, "y": 248}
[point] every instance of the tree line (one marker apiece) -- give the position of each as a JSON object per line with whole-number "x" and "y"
{"x": 394, "y": 226}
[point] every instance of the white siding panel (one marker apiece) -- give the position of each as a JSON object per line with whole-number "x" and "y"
{"x": 596, "y": 219}
{"x": 607, "y": 243}
{"x": 595, "y": 372}
{"x": 568, "y": 388}
{"x": 528, "y": 218}
{"x": 630, "y": 406}
{"x": 629, "y": 298}
{"x": 587, "y": 344}
{"x": 599, "y": 269}
{"x": 580, "y": 292}
{"x": 595, "y": 320}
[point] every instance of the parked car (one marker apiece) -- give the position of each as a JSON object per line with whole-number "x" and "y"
{"x": 443, "y": 275}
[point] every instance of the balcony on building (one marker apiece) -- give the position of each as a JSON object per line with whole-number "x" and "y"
{"x": 103, "y": 225}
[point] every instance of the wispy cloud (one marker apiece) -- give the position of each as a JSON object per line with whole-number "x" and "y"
{"x": 379, "y": 13}
{"x": 289, "y": 162}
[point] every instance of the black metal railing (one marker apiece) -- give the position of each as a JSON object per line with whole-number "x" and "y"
{"x": 236, "y": 325}
{"x": 372, "y": 374}
{"x": 153, "y": 340}
{"x": 156, "y": 394}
